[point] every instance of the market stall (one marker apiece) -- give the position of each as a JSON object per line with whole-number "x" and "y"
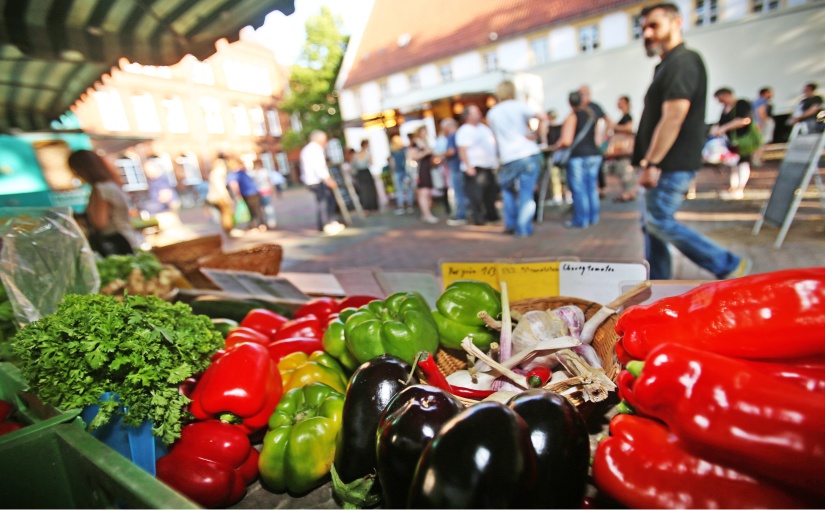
{"x": 493, "y": 390}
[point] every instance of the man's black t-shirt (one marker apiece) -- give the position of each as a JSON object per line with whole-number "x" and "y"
{"x": 807, "y": 103}
{"x": 741, "y": 110}
{"x": 680, "y": 75}
{"x": 626, "y": 119}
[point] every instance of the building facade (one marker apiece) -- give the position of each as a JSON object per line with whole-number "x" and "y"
{"x": 187, "y": 114}
{"x": 417, "y": 62}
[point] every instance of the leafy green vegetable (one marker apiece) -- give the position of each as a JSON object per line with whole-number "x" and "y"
{"x": 141, "y": 349}
{"x": 119, "y": 266}
{"x": 8, "y": 326}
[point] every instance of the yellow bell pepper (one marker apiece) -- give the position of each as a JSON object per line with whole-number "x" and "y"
{"x": 299, "y": 369}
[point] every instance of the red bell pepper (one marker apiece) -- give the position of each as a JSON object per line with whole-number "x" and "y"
{"x": 621, "y": 353}
{"x": 245, "y": 334}
{"x": 242, "y": 387}
{"x": 264, "y": 321}
{"x": 306, "y": 327}
{"x": 211, "y": 464}
{"x": 320, "y": 307}
{"x": 772, "y": 315}
{"x": 7, "y": 427}
{"x": 5, "y": 410}
{"x": 280, "y": 348}
{"x": 354, "y": 302}
{"x": 731, "y": 412}
{"x": 643, "y": 465}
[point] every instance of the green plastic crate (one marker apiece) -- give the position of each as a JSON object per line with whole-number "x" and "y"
{"x": 63, "y": 466}
{"x": 28, "y": 409}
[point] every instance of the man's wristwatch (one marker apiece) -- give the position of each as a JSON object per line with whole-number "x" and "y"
{"x": 647, "y": 164}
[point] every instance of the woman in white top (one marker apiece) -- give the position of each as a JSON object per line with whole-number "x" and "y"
{"x": 107, "y": 213}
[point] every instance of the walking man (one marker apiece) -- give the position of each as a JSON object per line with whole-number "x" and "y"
{"x": 451, "y": 158}
{"x": 669, "y": 149}
{"x": 477, "y": 150}
{"x": 315, "y": 174}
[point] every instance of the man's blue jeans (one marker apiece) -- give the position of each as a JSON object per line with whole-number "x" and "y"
{"x": 403, "y": 189}
{"x": 459, "y": 194}
{"x": 661, "y": 228}
{"x": 583, "y": 181}
{"x": 518, "y": 181}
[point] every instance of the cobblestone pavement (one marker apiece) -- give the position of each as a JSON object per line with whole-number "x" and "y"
{"x": 387, "y": 241}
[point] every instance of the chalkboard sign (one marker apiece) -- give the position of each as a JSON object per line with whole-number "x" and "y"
{"x": 338, "y": 175}
{"x": 801, "y": 163}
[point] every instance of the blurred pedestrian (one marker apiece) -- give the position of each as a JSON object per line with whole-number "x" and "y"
{"x": 763, "y": 115}
{"x": 403, "y": 182}
{"x": 620, "y": 149}
{"x": 669, "y": 149}
{"x": 734, "y": 122}
{"x": 260, "y": 176}
{"x": 603, "y": 125}
{"x": 452, "y": 161}
{"x": 219, "y": 196}
{"x": 479, "y": 160}
{"x": 242, "y": 185}
{"x": 107, "y": 212}
{"x": 421, "y": 152}
{"x": 364, "y": 181}
{"x": 578, "y": 134}
{"x": 519, "y": 155}
{"x": 315, "y": 175}
{"x": 808, "y": 108}
{"x": 164, "y": 201}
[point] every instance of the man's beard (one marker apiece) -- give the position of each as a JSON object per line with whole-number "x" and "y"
{"x": 654, "y": 49}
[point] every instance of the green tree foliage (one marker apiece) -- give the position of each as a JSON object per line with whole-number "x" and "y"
{"x": 313, "y": 96}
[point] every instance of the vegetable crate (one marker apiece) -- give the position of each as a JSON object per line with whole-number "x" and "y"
{"x": 28, "y": 409}
{"x": 65, "y": 467}
{"x": 185, "y": 254}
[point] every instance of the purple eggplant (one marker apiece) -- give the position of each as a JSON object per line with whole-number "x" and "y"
{"x": 408, "y": 425}
{"x": 560, "y": 440}
{"x": 372, "y": 387}
{"x": 481, "y": 458}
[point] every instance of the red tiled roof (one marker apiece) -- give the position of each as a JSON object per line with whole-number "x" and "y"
{"x": 443, "y": 28}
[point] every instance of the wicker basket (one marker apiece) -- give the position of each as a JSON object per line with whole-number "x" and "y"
{"x": 185, "y": 254}
{"x": 604, "y": 341}
{"x": 264, "y": 259}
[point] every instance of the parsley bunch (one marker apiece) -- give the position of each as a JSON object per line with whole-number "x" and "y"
{"x": 141, "y": 349}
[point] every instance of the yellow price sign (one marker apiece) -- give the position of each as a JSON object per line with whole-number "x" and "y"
{"x": 524, "y": 280}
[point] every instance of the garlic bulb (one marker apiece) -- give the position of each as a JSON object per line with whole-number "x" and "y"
{"x": 535, "y": 326}
{"x": 464, "y": 379}
{"x": 572, "y": 316}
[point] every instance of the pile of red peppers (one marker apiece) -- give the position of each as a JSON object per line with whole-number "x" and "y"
{"x": 214, "y": 460}
{"x": 727, "y": 408}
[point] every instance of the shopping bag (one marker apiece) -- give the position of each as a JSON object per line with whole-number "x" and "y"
{"x": 242, "y": 214}
{"x": 620, "y": 146}
{"x": 747, "y": 144}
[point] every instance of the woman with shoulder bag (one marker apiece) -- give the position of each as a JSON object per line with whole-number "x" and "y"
{"x": 107, "y": 212}
{"x": 421, "y": 153}
{"x": 619, "y": 151}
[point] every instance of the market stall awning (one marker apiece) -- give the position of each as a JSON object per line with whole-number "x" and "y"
{"x": 51, "y": 51}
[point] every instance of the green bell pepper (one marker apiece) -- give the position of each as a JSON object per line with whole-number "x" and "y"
{"x": 456, "y": 313}
{"x": 299, "y": 448}
{"x": 402, "y": 325}
{"x": 334, "y": 340}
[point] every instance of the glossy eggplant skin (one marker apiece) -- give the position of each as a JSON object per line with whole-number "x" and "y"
{"x": 481, "y": 458}
{"x": 372, "y": 387}
{"x": 559, "y": 437}
{"x": 407, "y": 426}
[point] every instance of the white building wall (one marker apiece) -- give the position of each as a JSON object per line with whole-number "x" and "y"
{"x": 734, "y": 9}
{"x": 514, "y": 55}
{"x": 398, "y": 84}
{"x": 686, "y": 10}
{"x": 563, "y": 43}
{"x": 428, "y": 74}
{"x": 349, "y": 105}
{"x": 466, "y": 65}
{"x": 370, "y": 98}
{"x": 614, "y": 30}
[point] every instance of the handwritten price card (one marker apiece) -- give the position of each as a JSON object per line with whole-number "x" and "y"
{"x": 598, "y": 281}
{"x": 530, "y": 279}
{"x": 524, "y": 280}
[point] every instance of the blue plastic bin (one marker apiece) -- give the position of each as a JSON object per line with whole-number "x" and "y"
{"x": 135, "y": 443}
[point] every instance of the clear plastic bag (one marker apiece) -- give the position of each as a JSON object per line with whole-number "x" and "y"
{"x": 44, "y": 256}
{"x": 717, "y": 152}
